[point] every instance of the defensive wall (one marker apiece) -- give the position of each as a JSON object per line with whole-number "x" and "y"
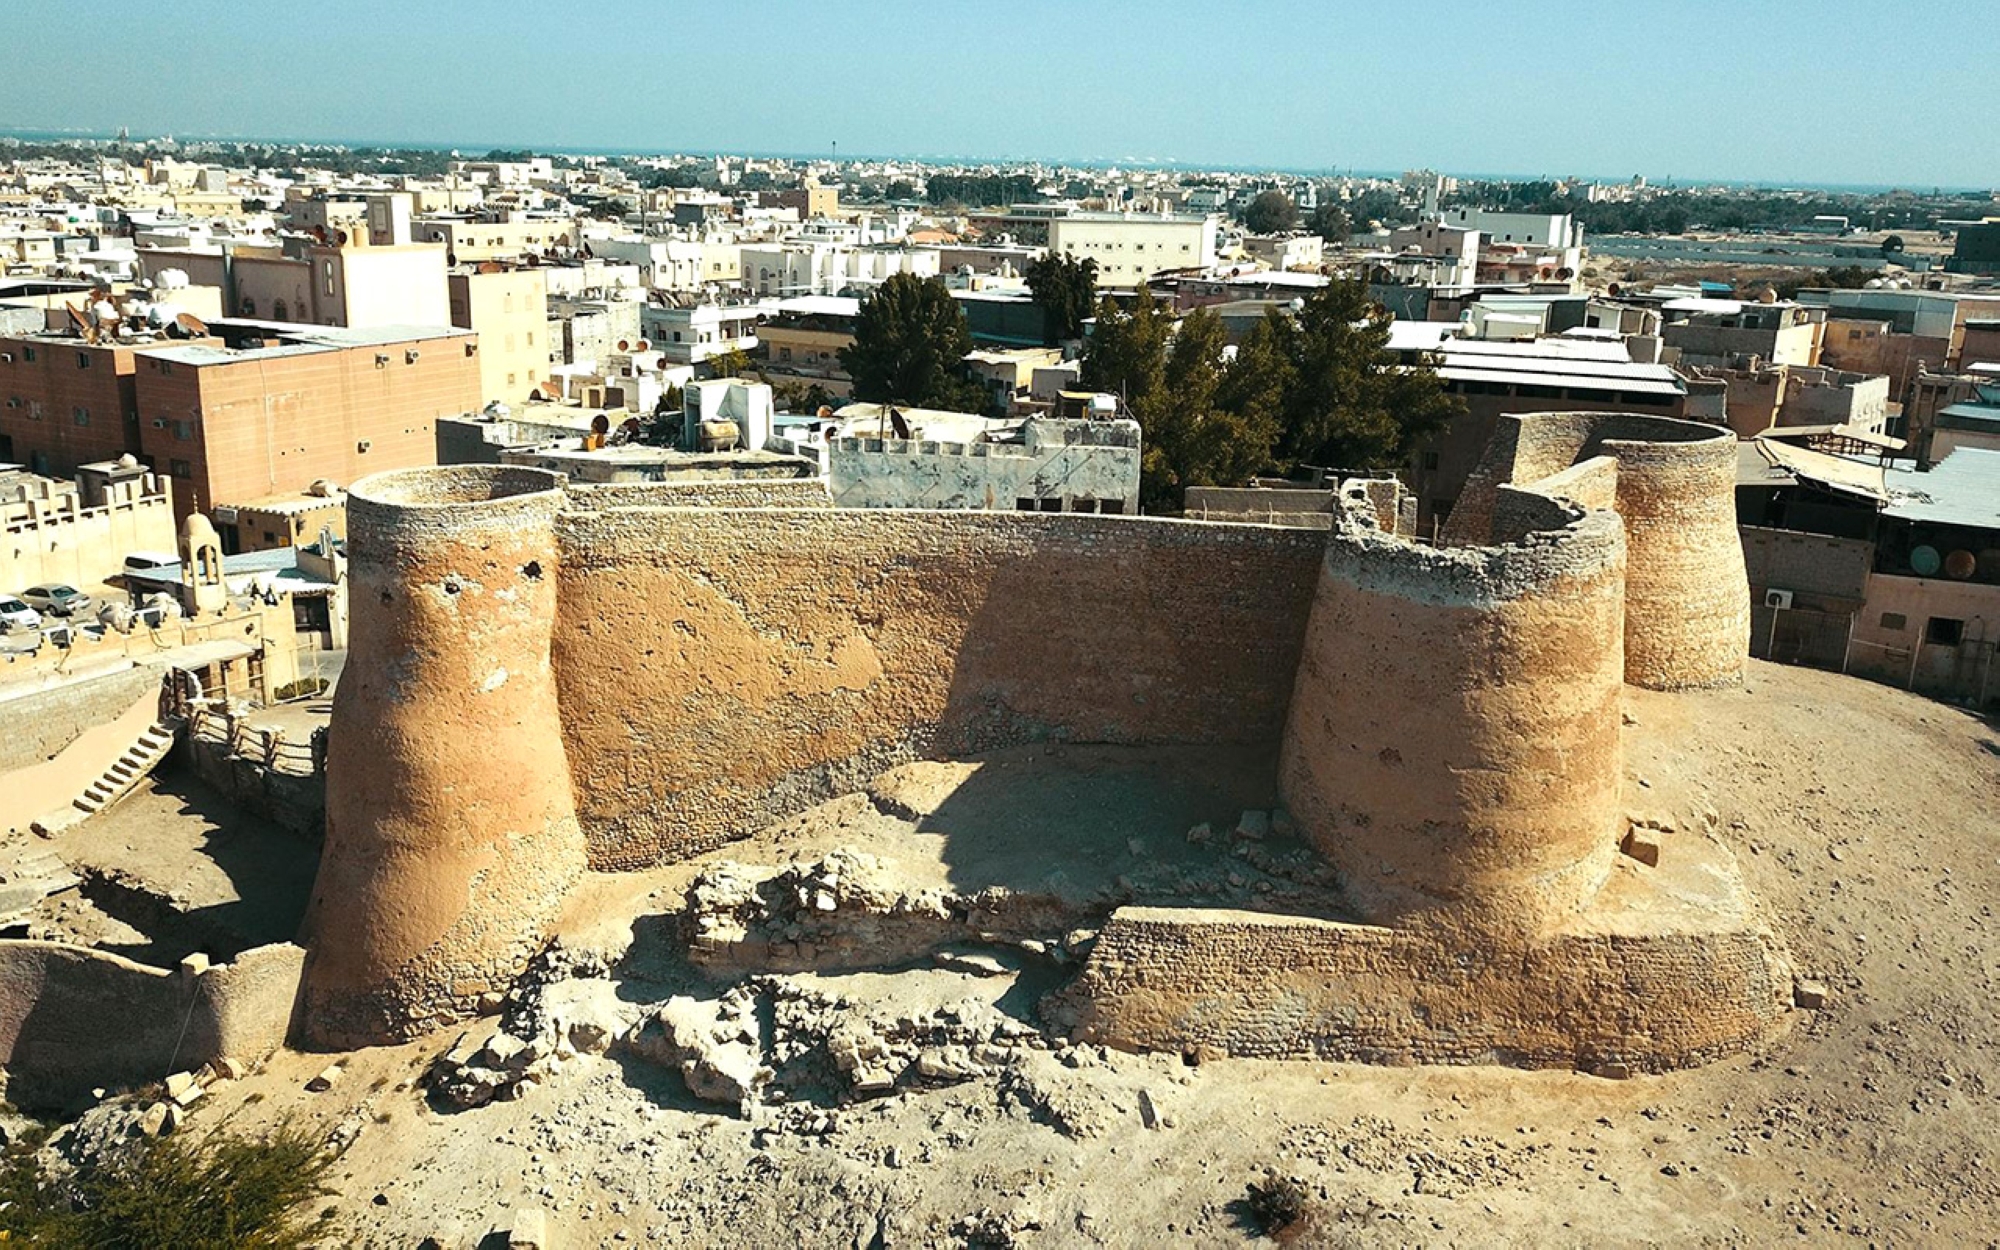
{"x": 1687, "y": 618}
{"x": 718, "y": 670}
{"x": 641, "y": 676}
{"x": 74, "y": 1019}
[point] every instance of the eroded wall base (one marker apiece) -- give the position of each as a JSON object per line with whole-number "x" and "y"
{"x": 1669, "y": 970}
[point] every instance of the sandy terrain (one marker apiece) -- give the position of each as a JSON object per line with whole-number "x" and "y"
{"x": 1867, "y": 821}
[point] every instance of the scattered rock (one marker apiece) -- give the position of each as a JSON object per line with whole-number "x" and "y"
{"x": 327, "y": 1078}
{"x": 1810, "y": 995}
{"x": 528, "y": 1229}
{"x": 1254, "y": 826}
{"x": 1642, "y": 845}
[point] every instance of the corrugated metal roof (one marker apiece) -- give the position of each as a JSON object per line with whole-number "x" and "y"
{"x": 1853, "y": 477}
{"x": 1961, "y": 489}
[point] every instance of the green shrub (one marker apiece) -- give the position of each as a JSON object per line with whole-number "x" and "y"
{"x": 173, "y": 1191}
{"x": 304, "y": 687}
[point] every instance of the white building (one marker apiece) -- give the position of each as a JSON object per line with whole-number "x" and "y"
{"x": 1129, "y": 248}
{"x": 808, "y": 267}
{"x": 688, "y": 336}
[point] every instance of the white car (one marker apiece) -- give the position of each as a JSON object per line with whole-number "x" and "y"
{"x": 16, "y": 616}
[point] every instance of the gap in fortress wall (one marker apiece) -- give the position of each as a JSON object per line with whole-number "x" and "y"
{"x": 667, "y": 670}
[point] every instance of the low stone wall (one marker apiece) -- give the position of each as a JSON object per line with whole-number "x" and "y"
{"x": 41, "y": 724}
{"x": 721, "y": 668}
{"x": 795, "y": 492}
{"x": 74, "y": 1019}
{"x": 1288, "y": 987}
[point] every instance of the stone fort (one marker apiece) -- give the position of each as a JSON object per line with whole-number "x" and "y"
{"x": 547, "y": 678}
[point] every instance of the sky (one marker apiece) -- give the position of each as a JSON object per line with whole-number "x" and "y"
{"x": 1773, "y": 91}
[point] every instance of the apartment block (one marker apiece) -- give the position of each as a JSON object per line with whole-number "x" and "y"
{"x": 509, "y": 308}
{"x": 271, "y": 408}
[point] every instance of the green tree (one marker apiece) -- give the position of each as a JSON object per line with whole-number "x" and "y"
{"x": 1064, "y": 288}
{"x": 1176, "y": 385}
{"x": 908, "y": 344}
{"x": 730, "y": 364}
{"x": 1347, "y": 403}
{"x": 1330, "y": 222}
{"x": 1272, "y": 212}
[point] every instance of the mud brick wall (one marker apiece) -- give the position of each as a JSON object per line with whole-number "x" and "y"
{"x": 1272, "y": 986}
{"x": 720, "y": 668}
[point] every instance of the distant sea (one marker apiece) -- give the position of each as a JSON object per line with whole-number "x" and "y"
{"x": 480, "y": 148}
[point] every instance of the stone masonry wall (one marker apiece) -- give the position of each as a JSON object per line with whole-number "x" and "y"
{"x": 44, "y": 722}
{"x": 720, "y": 668}
{"x": 1271, "y": 986}
{"x": 74, "y": 1019}
{"x": 797, "y": 492}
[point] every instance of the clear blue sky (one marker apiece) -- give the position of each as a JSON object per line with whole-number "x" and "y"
{"x": 1830, "y": 91}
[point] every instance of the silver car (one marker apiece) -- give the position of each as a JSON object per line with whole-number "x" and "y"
{"x": 17, "y": 617}
{"x": 57, "y": 599}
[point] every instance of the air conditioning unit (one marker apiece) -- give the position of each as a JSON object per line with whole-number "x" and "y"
{"x": 1777, "y": 598}
{"x": 159, "y": 423}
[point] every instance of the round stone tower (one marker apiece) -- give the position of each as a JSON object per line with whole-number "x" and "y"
{"x": 452, "y": 834}
{"x": 1453, "y": 744}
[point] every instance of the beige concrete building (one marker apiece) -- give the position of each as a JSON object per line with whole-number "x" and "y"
{"x": 356, "y": 285}
{"x": 1131, "y": 247}
{"x": 509, "y": 308}
{"x": 470, "y": 241}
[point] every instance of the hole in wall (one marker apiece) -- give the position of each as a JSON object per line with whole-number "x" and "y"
{"x": 451, "y": 586}
{"x": 532, "y": 570}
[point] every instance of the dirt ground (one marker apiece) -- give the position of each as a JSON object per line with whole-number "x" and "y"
{"x": 1866, "y": 820}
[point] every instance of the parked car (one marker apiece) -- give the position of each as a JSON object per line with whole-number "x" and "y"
{"x": 16, "y": 616}
{"x": 57, "y": 599}
{"x": 147, "y": 561}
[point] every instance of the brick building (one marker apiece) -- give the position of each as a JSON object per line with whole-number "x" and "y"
{"x": 248, "y": 417}
{"x": 256, "y": 409}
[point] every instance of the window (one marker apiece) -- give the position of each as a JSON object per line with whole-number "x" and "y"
{"x": 181, "y": 468}
{"x": 1024, "y": 504}
{"x": 1111, "y": 507}
{"x": 183, "y": 430}
{"x": 249, "y": 307}
{"x": 326, "y": 271}
{"x": 27, "y": 354}
{"x": 80, "y": 415}
{"x": 1431, "y": 461}
{"x": 1944, "y": 631}
{"x": 1052, "y": 504}
{"x": 510, "y": 379}
{"x": 83, "y": 360}
{"x": 1896, "y": 621}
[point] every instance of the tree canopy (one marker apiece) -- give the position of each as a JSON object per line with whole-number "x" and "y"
{"x": 1272, "y": 212}
{"x": 908, "y": 344}
{"x": 1065, "y": 289}
{"x": 1315, "y": 388}
{"x": 1330, "y": 222}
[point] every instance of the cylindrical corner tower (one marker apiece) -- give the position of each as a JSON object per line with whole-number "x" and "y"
{"x": 451, "y": 825}
{"x": 1687, "y": 594}
{"x": 1453, "y": 744}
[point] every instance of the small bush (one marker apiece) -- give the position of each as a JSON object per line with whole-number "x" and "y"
{"x": 169, "y": 1192}
{"x": 1275, "y": 1204}
{"x": 303, "y": 688}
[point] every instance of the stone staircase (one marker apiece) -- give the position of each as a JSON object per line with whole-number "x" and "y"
{"x": 117, "y": 781}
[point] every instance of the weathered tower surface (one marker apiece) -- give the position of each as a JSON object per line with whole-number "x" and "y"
{"x": 1687, "y": 597}
{"x": 451, "y": 825}
{"x": 1453, "y": 747}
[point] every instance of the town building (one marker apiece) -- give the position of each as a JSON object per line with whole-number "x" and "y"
{"x": 1130, "y": 248}
{"x": 1734, "y": 332}
{"x": 272, "y": 408}
{"x": 1553, "y": 374}
{"x": 1043, "y": 464}
{"x": 508, "y": 307}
